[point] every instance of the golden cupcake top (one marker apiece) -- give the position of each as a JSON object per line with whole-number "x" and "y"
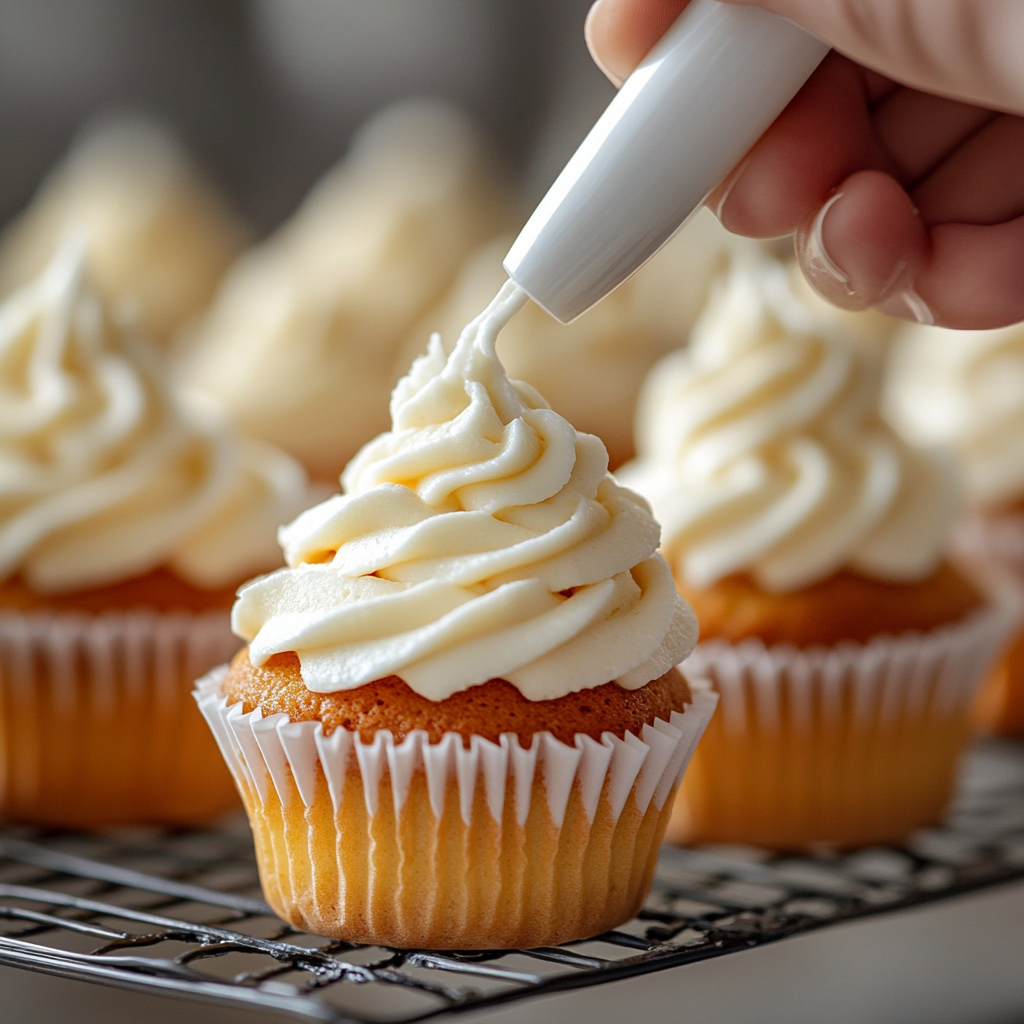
{"x": 965, "y": 390}
{"x": 300, "y": 344}
{"x": 159, "y": 235}
{"x": 104, "y": 474}
{"x": 480, "y": 538}
{"x": 763, "y": 451}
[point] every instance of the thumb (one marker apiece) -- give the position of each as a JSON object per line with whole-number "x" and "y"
{"x": 966, "y": 49}
{"x": 621, "y": 32}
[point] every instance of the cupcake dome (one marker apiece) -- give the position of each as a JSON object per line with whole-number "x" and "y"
{"x": 299, "y": 347}
{"x": 480, "y": 538}
{"x": 159, "y": 235}
{"x": 810, "y": 539}
{"x": 126, "y": 521}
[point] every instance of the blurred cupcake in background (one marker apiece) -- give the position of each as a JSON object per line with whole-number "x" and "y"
{"x": 965, "y": 390}
{"x": 160, "y": 236}
{"x": 591, "y": 370}
{"x": 458, "y": 723}
{"x": 127, "y": 521}
{"x": 809, "y": 539}
{"x": 300, "y": 346}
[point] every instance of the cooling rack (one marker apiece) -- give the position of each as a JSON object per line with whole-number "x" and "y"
{"x": 181, "y": 914}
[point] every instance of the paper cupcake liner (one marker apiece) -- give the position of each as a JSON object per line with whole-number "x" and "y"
{"x": 993, "y": 545}
{"x": 485, "y": 845}
{"x": 847, "y": 745}
{"x": 97, "y": 722}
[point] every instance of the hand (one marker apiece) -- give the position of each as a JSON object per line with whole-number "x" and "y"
{"x": 900, "y": 164}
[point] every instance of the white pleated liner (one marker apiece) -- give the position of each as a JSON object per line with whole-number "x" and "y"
{"x": 892, "y": 678}
{"x": 272, "y": 751}
{"x": 126, "y": 657}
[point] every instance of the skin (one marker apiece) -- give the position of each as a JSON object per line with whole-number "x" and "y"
{"x": 899, "y": 167}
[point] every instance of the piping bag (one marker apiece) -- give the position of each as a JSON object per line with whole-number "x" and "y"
{"x": 680, "y": 123}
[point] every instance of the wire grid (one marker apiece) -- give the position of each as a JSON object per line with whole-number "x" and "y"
{"x": 180, "y": 913}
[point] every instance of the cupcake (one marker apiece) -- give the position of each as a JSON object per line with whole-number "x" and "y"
{"x": 965, "y": 390}
{"x": 160, "y": 237}
{"x": 299, "y": 347}
{"x": 591, "y": 370}
{"x": 127, "y": 520}
{"x": 458, "y": 723}
{"x": 809, "y": 539}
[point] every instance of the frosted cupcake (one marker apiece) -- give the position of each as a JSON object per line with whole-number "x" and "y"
{"x": 300, "y": 345}
{"x": 591, "y": 370}
{"x": 458, "y": 723}
{"x": 809, "y": 539}
{"x": 126, "y": 523}
{"x": 159, "y": 235}
{"x": 965, "y": 390}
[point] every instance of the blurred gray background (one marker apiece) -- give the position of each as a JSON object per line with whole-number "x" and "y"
{"x": 267, "y": 92}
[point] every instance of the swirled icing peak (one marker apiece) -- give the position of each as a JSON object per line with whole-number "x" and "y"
{"x": 762, "y": 450}
{"x": 104, "y": 475}
{"x": 965, "y": 390}
{"x": 482, "y": 537}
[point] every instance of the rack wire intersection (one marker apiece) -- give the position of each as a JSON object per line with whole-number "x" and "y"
{"x": 180, "y": 913}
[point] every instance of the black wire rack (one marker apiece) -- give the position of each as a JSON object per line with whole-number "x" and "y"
{"x": 180, "y": 913}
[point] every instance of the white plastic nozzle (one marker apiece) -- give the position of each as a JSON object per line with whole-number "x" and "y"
{"x": 680, "y": 123}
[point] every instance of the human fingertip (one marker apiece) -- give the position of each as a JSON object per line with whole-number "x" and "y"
{"x": 865, "y": 245}
{"x": 596, "y": 33}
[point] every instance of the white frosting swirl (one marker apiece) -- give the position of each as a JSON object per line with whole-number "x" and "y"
{"x": 762, "y": 450}
{"x": 965, "y": 390}
{"x": 591, "y": 370}
{"x": 481, "y": 537}
{"x": 103, "y": 476}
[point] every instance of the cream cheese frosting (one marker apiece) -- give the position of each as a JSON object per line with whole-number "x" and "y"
{"x": 762, "y": 450}
{"x": 965, "y": 390}
{"x": 160, "y": 237}
{"x": 591, "y": 370}
{"x": 104, "y": 475}
{"x": 300, "y": 345}
{"x": 482, "y": 537}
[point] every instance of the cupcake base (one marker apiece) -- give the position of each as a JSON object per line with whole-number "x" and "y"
{"x": 846, "y": 746}
{"x": 97, "y": 726}
{"x": 452, "y": 845}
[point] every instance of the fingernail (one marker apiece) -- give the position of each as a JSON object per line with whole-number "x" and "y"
{"x": 729, "y": 184}
{"x": 894, "y": 276}
{"x": 817, "y": 255}
{"x": 908, "y": 305}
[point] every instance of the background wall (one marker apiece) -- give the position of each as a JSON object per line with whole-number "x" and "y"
{"x": 268, "y": 92}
